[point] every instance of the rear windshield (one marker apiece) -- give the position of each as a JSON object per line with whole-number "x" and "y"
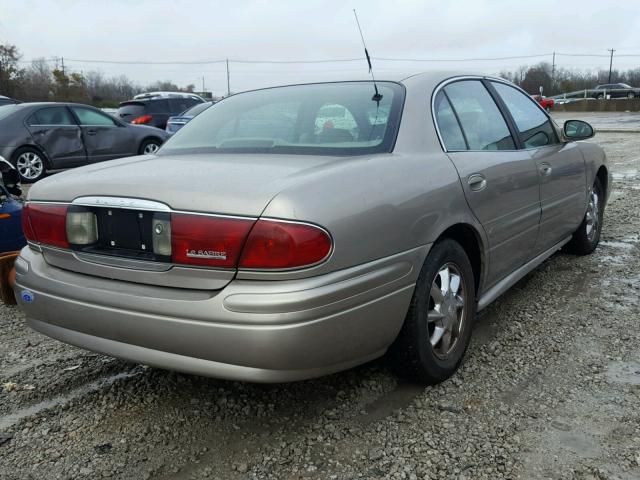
{"x": 323, "y": 119}
{"x": 129, "y": 111}
{"x": 6, "y": 110}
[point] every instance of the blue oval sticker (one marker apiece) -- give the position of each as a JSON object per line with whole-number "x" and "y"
{"x": 27, "y": 296}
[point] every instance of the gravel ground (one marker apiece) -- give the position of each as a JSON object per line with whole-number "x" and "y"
{"x": 550, "y": 389}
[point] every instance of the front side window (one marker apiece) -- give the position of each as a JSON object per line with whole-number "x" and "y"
{"x": 51, "y": 116}
{"x": 448, "y": 125}
{"x": 534, "y": 126}
{"x": 332, "y": 119}
{"x": 483, "y": 125}
{"x": 91, "y": 117}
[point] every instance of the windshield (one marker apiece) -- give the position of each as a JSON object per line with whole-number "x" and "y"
{"x": 323, "y": 119}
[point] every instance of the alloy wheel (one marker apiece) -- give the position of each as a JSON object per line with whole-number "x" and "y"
{"x": 446, "y": 315}
{"x": 150, "y": 148}
{"x": 593, "y": 215}
{"x": 30, "y": 165}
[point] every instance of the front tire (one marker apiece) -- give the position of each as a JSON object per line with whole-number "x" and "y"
{"x": 149, "y": 147}
{"x": 30, "y": 163}
{"x": 437, "y": 328}
{"x": 585, "y": 239}
{"x": 631, "y": 95}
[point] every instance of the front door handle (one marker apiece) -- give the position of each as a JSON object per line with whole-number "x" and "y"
{"x": 477, "y": 182}
{"x": 91, "y": 132}
{"x": 545, "y": 169}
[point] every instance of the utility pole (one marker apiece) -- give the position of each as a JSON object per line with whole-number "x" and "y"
{"x": 228, "y": 82}
{"x": 203, "y": 84}
{"x": 553, "y": 74}
{"x": 62, "y": 60}
{"x": 610, "y": 63}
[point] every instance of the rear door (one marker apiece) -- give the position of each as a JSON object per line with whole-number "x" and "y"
{"x": 500, "y": 182}
{"x": 560, "y": 166}
{"x": 104, "y": 139}
{"x": 56, "y": 132}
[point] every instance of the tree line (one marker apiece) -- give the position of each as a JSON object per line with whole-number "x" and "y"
{"x": 39, "y": 81}
{"x": 561, "y": 80}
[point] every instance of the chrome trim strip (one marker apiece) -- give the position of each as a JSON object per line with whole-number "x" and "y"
{"x": 136, "y": 204}
{"x": 125, "y": 203}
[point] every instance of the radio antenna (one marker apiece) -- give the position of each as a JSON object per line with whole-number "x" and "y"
{"x": 377, "y": 96}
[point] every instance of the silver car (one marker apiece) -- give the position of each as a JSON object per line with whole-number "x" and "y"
{"x": 292, "y": 232}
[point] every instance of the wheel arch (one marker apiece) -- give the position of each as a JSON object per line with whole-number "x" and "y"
{"x": 603, "y": 175}
{"x": 32, "y": 146}
{"x": 471, "y": 241}
{"x": 150, "y": 137}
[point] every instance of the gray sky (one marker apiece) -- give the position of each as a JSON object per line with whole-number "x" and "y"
{"x": 162, "y": 31}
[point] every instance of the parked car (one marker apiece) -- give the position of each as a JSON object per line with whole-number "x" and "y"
{"x": 37, "y": 137}
{"x": 6, "y": 100}
{"x": 292, "y": 232}
{"x": 176, "y": 123}
{"x": 545, "y": 102}
{"x": 615, "y": 90}
{"x": 155, "y": 111}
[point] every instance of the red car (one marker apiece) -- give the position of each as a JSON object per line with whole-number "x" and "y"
{"x": 546, "y": 103}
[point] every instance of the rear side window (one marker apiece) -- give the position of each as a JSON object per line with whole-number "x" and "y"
{"x": 533, "y": 125}
{"x": 51, "y": 116}
{"x": 483, "y": 125}
{"x": 448, "y": 125}
{"x": 91, "y": 117}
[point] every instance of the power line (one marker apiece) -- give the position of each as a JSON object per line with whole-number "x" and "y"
{"x": 325, "y": 60}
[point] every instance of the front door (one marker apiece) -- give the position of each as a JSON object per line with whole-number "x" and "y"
{"x": 500, "y": 182}
{"x": 103, "y": 137}
{"x": 561, "y": 168}
{"x": 56, "y": 132}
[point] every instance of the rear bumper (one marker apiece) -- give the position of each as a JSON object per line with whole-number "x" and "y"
{"x": 261, "y": 331}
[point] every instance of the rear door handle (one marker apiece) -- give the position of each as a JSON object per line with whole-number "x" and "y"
{"x": 91, "y": 132}
{"x": 545, "y": 169}
{"x": 477, "y": 182}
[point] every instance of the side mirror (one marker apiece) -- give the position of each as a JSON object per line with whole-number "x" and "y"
{"x": 577, "y": 130}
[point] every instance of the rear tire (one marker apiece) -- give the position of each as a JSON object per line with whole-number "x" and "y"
{"x": 585, "y": 239}
{"x": 30, "y": 163}
{"x": 631, "y": 95}
{"x": 149, "y": 147}
{"x": 437, "y": 328}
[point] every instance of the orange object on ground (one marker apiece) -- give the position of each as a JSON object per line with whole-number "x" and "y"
{"x": 7, "y": 277}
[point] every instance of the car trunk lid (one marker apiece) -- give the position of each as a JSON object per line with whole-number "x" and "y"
{"x": 129, "y": 197}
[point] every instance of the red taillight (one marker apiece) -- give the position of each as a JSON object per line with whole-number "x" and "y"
{"x": 208, "y": 240}
{"x": 279, "y": 244}
{"x": 45, "y": 224}
{"x": 142, "y": 120}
